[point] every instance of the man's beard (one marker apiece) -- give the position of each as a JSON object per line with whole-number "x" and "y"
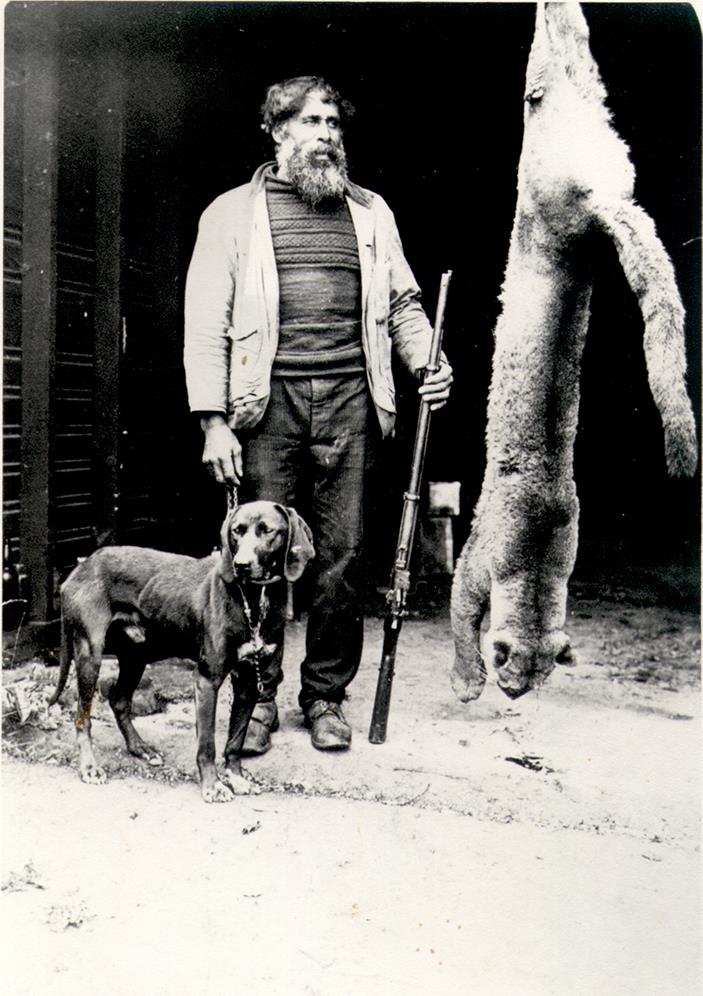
{"x": 320, "y": 184}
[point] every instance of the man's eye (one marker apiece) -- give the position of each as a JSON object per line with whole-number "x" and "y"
{"x": 534, "y": 95}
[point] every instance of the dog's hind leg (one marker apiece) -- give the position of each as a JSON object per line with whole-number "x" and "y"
{"x": 132, "y": 658}
{"x": 244, "y": 695}
{"x": 88, "y": 657}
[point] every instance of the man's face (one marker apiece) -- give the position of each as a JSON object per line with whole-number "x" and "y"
{"x": 310, "y": 151}
{"x": 314, "y": 130}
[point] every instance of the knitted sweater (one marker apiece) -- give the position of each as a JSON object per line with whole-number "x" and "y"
{"x": 317, "y": 259}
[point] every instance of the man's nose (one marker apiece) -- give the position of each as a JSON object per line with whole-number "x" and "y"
{"x": 324, "y": 134}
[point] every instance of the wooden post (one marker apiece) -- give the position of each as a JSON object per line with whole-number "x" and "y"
{"x": 108, "y": 290}
{"x": 39, "y": 302}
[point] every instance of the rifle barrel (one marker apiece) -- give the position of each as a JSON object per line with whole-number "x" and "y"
{"x": 400, "y": 578}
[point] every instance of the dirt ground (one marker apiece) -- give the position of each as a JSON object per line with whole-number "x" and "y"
{"x": 543, "y": 846}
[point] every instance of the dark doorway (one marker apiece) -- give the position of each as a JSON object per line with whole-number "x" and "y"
{"x": 154, "y": 111}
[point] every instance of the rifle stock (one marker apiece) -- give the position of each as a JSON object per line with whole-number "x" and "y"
{"x": 382, "y": 702}
{"x": 400, "y": 577}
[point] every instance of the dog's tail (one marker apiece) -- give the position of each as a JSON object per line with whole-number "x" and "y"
{"x": 64, "y": 661}
{"x": 650, "y": 274}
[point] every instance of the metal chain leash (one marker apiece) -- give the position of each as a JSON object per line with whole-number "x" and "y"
{"x": 232, "y": 497}
{"x": 255, "y": 631}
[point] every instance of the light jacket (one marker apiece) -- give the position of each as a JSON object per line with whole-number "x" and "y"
{"x": 232, "y": 294}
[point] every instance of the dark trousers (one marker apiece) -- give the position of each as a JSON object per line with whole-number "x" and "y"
{"x": 314, "y": 449}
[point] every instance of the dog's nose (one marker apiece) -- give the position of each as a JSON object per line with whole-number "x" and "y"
{"x": 242, "y": 566}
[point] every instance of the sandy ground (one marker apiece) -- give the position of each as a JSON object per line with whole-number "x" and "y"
{"x": 543, "y": 846}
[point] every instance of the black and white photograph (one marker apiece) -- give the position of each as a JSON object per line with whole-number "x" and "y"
{"x": 351, "y": 498}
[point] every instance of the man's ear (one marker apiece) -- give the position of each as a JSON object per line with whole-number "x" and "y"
{"x": 299, "y": 548}
{"x": 279, "y": 132}
{"x": 227, "y": 555}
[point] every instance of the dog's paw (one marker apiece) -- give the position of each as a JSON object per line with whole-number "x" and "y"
{"x": 239, "y": 784}
{"x": 93, "y": 774}
{"x": 148, "y": 754}
{"x": 216, "y": 791}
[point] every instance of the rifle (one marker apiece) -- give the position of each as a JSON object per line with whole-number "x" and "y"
{"x": 400, "y": 576}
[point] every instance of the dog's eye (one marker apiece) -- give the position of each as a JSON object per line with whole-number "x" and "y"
{"x": 239, "y": 530}
{"x": 263, "y": 529}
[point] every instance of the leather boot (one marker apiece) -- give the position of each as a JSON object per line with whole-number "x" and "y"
{"x": 263, "y": 722}
{"x": 328, "y": 727}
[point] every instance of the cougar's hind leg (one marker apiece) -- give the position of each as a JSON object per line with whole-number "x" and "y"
{"x": 469, "y": 601}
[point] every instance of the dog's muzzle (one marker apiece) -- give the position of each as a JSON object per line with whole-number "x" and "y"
{"x": 245, "y": 574}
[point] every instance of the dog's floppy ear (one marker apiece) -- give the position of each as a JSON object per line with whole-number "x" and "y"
{"x": 299, "y": 548}
{"x": 227, "y": 555}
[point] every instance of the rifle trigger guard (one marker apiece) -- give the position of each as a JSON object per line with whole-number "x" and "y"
{"x": 402, "y": 580}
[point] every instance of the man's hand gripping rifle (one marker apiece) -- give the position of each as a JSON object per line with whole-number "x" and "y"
{"x": 400, "y": 577}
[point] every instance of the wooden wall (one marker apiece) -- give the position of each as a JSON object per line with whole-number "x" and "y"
{"x": 91, "y": 320}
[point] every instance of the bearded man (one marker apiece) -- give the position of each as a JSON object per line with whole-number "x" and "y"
{"x": 297, "y": 292}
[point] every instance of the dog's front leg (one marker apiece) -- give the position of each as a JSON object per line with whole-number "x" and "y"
{"x": 212, "y": 789}
{"x": 244, "y": 695}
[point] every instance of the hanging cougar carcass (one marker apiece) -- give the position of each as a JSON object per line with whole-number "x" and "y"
{"x": 575, "y": 179}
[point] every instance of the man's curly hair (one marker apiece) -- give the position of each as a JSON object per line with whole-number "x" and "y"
{"x": 285, "y": 99}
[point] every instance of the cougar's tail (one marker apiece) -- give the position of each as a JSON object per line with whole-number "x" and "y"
{"x": 64, "y": 661}
{"x": 650, "y": 274}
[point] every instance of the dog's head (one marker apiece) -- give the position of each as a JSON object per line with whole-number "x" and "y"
{"x": 263, "y": 541}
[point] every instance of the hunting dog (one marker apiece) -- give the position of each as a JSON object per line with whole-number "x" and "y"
{"x": 219, "y": 611}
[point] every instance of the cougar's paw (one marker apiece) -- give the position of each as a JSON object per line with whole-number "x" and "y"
{"x": 467, "y": 687}
{"x": 239, "y": 784}
{"x": 216, "y": 791}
